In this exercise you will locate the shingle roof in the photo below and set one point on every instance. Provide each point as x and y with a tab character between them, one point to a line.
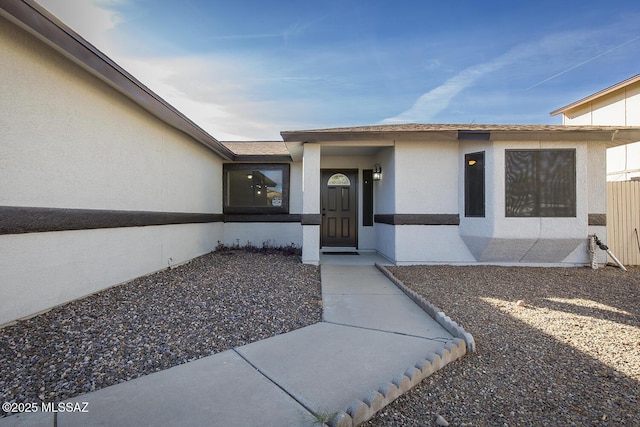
245	150
262	148
435	127
614	135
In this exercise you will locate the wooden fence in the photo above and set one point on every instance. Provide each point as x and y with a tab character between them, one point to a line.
623	221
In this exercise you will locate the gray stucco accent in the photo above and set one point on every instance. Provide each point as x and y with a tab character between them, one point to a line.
476	245
597	219
551	250
418	219
487	249
19	220
311	219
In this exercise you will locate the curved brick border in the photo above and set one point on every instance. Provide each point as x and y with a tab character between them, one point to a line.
445	321
359	411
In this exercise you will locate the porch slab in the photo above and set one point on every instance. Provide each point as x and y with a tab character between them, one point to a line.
364	297
363	258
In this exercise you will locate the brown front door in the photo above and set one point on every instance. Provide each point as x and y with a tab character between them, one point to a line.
339	208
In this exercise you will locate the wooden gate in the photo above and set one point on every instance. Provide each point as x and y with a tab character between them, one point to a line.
623	220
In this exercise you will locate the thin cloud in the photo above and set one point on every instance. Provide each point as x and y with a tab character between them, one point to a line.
530	56
91	19
294	30
438	99
248	36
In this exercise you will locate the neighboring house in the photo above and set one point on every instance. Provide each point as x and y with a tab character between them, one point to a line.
102	181
617	105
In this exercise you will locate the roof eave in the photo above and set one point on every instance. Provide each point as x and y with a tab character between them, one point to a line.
267	158
596	95
611	135
37	21
320	136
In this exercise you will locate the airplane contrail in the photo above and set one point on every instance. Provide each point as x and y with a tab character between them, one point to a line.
584	62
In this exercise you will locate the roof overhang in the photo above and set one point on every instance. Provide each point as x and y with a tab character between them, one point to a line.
599	94
611	135
37	21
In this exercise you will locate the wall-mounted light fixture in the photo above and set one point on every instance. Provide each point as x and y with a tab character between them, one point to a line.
377	172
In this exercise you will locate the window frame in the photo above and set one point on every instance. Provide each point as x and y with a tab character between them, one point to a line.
285	168
469	200
538	211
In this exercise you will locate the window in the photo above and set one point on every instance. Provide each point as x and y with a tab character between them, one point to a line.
339	179
540	183
256	188
474	184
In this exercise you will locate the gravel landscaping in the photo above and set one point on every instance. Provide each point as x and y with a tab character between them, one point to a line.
555	346
215	302
567	355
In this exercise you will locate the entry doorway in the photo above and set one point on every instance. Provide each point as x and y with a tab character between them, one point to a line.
339	204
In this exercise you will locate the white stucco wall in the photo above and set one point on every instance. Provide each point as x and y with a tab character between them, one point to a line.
42	270
501	239
439	168
273	234
311	202
384	202
70	141
426	177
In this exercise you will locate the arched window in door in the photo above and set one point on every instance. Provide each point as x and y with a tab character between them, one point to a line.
339	179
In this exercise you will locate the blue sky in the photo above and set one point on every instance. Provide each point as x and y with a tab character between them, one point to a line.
250	69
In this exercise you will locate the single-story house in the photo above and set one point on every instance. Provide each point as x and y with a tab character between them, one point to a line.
102	181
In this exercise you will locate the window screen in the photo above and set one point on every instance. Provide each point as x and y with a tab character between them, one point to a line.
540	183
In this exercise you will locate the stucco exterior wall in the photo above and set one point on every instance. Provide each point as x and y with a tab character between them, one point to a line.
494	238
274	234
560	241
311	203
426	177
70	141
384	202
384	197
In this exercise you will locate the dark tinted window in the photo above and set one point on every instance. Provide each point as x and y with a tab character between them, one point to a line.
256	188
474	184
540	183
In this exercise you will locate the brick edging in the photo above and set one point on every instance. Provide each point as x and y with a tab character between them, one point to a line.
359	411
445	321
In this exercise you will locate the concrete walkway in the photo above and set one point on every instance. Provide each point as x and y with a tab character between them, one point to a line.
374	344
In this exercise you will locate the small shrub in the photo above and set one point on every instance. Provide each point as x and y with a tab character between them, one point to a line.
267	248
